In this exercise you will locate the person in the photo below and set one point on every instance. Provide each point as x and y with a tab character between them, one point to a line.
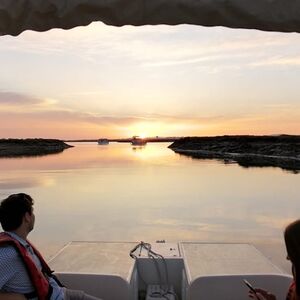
292	243
24	274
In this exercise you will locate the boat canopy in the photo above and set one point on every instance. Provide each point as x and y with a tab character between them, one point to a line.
17	16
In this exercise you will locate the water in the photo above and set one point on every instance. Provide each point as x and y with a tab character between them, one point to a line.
120	193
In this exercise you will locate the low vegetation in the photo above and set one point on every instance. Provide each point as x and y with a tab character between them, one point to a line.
258	151
30	147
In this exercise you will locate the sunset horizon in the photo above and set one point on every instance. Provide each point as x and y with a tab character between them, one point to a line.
102	81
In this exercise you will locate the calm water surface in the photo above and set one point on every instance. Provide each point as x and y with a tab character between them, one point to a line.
120	193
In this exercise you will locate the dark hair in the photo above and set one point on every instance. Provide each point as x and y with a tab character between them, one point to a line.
292	242
13	209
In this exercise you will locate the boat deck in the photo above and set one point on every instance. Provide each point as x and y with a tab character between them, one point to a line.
193	270
203	259
95	258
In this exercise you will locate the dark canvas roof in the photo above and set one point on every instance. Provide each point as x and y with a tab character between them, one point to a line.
40	15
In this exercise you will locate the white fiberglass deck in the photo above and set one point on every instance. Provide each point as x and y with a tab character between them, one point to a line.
195	271
95	258
203	259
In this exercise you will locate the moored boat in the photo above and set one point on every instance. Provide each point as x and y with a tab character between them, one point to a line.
137	141
103	142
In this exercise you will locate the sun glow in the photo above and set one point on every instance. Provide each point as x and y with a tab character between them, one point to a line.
162	128
143	135
144	129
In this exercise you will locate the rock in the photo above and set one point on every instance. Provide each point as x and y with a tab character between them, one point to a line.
30	147
258	151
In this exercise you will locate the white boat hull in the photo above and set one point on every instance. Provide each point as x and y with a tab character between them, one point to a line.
193	270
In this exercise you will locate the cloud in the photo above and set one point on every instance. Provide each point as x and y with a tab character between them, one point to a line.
51	111
273	222
190	119
168	222
87	117
179	61
18	183
26	115
12	98
50	115
278	61
13	101
47	117
148	45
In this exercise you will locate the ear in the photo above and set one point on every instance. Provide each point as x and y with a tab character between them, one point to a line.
27	217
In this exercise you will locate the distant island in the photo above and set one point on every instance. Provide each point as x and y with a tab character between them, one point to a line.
248	151
30	147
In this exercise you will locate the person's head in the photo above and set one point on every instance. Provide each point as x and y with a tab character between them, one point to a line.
292	242
15	211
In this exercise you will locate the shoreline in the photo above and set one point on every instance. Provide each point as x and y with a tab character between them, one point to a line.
247	151
10	148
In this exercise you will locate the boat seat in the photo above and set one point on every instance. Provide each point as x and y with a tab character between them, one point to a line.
106	287
232	287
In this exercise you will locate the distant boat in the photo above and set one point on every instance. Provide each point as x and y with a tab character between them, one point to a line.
103	142
137	141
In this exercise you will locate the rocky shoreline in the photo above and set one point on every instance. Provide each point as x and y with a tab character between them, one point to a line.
31	147
248	151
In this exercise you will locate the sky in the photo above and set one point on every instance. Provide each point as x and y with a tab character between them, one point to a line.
101	81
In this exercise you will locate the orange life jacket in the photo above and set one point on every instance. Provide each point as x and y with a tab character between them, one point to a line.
39	280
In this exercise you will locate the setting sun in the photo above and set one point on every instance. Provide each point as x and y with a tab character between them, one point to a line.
142	135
